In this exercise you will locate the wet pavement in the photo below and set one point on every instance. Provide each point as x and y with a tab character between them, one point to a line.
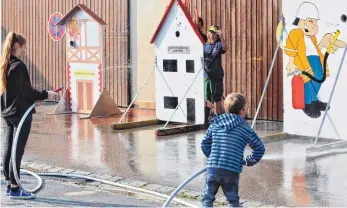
75	194
286	177
283	178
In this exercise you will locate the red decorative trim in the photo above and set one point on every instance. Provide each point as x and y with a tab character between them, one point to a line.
100	78
84	8
69	101
187	16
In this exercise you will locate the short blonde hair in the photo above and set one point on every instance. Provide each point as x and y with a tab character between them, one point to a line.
209	37
234	103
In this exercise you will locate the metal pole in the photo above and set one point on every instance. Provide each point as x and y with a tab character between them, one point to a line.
268	77
331	121
183	96
137	94
331	96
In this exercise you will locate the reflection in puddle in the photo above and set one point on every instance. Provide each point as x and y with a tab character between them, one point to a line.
284	177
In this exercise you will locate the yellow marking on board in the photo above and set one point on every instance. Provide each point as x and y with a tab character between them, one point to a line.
255	58
84	73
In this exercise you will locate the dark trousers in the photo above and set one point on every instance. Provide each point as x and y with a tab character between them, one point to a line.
230	187
10	126
213	90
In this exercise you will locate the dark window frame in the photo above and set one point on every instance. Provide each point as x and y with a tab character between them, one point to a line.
170	65
191	65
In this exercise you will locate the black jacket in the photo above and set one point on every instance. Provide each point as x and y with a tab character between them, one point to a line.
203	36
19	94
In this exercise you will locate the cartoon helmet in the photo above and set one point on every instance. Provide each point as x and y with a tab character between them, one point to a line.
307	10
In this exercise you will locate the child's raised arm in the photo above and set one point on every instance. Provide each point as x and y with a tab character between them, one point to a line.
258	150
206	143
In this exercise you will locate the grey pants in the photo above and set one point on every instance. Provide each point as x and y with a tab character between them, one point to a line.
10	126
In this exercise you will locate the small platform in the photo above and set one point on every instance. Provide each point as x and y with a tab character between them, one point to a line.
135	118
180	129
338	147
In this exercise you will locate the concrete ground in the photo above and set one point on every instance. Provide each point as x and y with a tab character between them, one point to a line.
73	193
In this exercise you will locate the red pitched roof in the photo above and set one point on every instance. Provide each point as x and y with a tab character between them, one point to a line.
84	8
187	16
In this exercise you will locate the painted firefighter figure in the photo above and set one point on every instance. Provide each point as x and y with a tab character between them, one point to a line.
307	60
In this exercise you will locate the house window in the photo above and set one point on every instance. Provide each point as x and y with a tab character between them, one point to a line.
170	102
169	65
190	66
191	110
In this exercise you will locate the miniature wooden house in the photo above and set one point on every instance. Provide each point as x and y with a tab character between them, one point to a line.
179	58
85	62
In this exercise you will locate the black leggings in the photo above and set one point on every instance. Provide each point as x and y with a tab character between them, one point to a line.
10	126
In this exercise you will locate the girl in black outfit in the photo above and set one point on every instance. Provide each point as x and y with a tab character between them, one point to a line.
17	95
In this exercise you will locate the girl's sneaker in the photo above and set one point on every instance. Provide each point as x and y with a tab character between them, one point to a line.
8	191
21	194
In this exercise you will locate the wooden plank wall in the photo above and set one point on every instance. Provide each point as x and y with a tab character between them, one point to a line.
249	27
46	58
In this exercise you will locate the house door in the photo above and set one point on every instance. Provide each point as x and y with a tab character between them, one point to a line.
85	95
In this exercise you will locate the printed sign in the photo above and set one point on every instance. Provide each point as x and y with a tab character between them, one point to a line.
178	50
311	32
84	73
56	32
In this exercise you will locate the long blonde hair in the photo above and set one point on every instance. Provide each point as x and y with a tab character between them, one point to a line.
8	48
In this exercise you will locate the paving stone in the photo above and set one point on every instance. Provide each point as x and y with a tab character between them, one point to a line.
95	183
67	171
24	163
55	170
40	166
153	187
101	176
220	198
83	173
267	206
166	190
126	181
251	204
107	187
138	184
45	168
33	165
192	194
115	179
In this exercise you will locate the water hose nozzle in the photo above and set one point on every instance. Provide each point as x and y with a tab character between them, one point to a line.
337	34
59	89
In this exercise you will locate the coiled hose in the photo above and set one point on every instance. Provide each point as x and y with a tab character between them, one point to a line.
40	186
